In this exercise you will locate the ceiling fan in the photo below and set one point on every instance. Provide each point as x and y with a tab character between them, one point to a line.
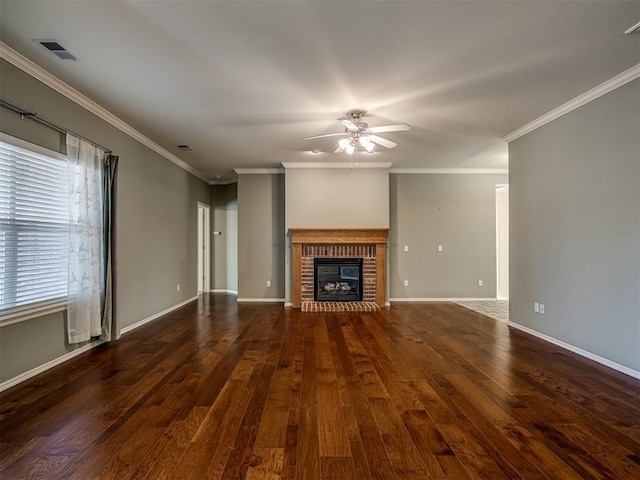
357	132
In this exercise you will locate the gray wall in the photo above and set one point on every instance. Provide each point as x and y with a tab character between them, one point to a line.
224	258
261	236
455	211
337	197
575	227
157	222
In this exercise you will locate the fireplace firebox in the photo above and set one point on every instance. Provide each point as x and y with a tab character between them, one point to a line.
337	279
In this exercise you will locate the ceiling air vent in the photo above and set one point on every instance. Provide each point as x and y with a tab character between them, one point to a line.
634	29
57	49
184	148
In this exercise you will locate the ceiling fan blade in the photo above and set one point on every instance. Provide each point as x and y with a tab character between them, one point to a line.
396	127
328	135
382	141
338	150
350	125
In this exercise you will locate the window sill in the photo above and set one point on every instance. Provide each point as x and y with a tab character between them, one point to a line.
24	315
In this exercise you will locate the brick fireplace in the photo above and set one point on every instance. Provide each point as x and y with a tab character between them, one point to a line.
369	244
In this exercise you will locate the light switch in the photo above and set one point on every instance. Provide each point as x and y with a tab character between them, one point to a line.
406	248
406	283
439	248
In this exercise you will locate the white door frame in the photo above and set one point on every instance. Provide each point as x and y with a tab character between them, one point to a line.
204	248
502	245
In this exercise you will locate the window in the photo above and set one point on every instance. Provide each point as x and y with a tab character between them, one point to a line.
34	226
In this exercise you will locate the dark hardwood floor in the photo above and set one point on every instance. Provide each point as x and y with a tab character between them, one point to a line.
257	391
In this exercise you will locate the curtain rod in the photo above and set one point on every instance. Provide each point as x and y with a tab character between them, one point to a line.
26	113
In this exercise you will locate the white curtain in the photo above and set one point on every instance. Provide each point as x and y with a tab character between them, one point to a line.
86	250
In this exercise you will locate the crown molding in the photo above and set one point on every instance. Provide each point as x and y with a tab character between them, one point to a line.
602	89
258	171
634	29
456	171
72	94
223	182
336	165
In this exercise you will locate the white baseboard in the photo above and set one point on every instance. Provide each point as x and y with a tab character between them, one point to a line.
68	356
579	351
222	290
448	299
260	300
157	315
46	366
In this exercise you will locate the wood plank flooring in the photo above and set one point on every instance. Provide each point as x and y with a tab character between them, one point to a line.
218	390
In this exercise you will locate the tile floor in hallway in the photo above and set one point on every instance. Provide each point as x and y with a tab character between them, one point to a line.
496	309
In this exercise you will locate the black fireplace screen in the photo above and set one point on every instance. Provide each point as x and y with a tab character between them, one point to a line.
337	279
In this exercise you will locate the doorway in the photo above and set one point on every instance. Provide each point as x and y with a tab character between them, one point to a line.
502	241
204	248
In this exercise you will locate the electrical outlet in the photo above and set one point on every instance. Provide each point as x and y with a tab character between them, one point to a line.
479	283
406	283
268	283
406	248
536	307
542	308
177	287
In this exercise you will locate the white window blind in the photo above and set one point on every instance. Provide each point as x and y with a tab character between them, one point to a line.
34	228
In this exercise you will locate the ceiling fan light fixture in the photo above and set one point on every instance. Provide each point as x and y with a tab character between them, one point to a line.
366	143
350	149
359	133
344	143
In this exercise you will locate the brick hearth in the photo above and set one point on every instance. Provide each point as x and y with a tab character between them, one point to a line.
340	307
368	244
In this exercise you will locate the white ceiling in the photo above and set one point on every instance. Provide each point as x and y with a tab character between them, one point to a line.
242	82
